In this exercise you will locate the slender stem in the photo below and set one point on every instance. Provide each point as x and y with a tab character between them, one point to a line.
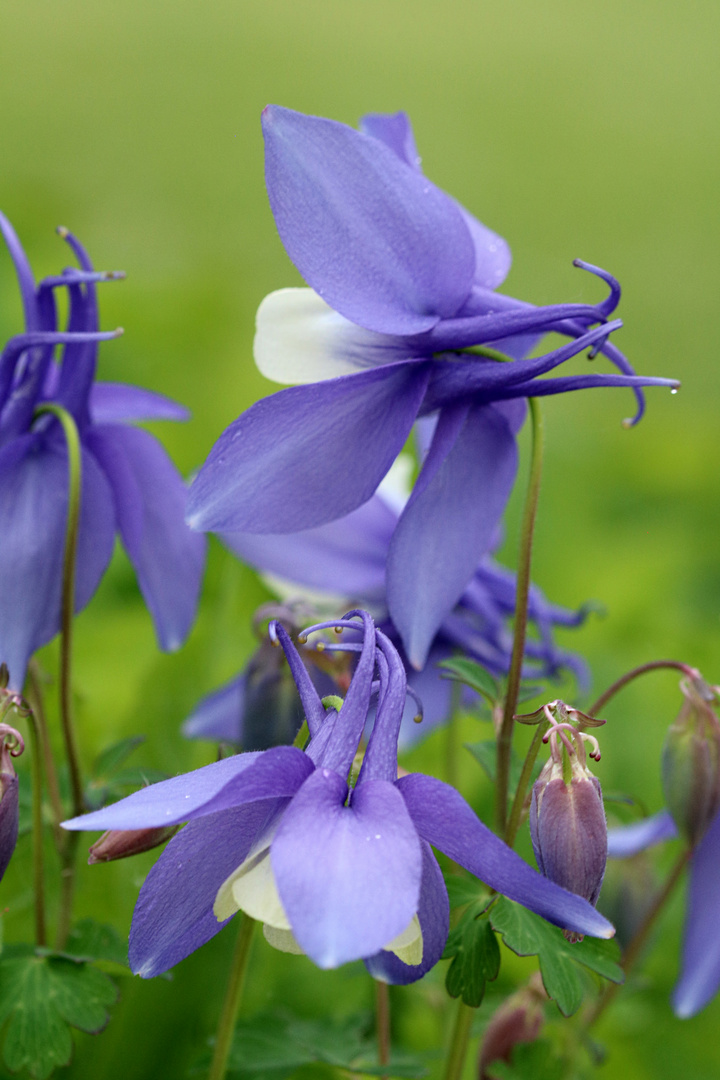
637	944
523	783
459	1044
231	1004
67	888
654	665
51	779
452	735
504	742
72	440
382	1013
37	825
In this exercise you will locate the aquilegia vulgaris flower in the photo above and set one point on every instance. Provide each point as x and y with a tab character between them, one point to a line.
402	290
345	560
700	973
129	484
335	872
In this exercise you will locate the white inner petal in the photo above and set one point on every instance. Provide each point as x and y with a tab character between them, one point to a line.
408	946
300	339
283	940
252	889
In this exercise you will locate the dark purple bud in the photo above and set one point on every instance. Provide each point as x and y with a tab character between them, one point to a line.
568	827
691	761
11	745
121	843
518	1020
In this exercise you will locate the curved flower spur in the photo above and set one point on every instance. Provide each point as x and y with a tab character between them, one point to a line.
340	873
395	326
129	483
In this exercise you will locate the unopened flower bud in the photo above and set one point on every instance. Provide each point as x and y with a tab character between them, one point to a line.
11	745
691	762
568	827
518	1020
120	843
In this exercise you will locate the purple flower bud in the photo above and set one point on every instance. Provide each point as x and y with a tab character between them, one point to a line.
691	762
518	1020
121	843
11	745
568	827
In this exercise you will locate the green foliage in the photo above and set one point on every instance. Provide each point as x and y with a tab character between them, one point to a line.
471	674
485	753
471	944
42	997
272	1045
528	934
107	783
90	940
530	1061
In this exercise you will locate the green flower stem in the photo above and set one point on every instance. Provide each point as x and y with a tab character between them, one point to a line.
654	665
233	995
519	801
37	827
505	734
382	1015
452	735
35	697
459	1042
72	440
637	943
69	848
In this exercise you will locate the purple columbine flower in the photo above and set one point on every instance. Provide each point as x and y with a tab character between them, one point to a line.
402	284
129	484
345	560
700	970
335	872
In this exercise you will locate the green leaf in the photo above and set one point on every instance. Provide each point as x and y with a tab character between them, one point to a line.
41	997
271	1046
475	954
466	890
485	753
90	940
460	669
528	934
114	756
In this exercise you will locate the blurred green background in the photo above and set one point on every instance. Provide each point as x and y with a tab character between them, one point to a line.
572	127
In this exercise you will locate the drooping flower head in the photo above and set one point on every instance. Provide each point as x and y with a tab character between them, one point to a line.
344	562
338	872
690	780
260	707
402	284
129	485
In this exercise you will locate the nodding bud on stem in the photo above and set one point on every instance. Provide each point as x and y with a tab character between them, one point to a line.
567	816
691	761
518	1020
121	843
11	745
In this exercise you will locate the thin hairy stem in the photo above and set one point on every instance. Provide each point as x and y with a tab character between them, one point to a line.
523	783
637	944
382	1016
654	665
72	440
69	848
233	996
504	740
452	735
37	827
35	697
459	1042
